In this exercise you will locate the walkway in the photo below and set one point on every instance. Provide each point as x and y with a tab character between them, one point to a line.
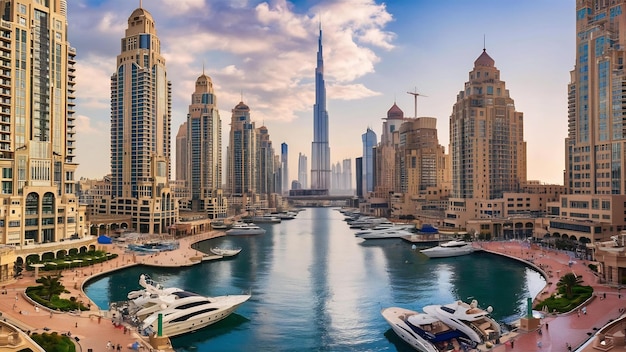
559	330
91	329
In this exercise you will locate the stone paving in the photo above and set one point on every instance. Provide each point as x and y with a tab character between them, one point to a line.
92	329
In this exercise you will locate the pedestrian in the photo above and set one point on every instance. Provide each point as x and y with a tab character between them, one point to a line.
604	295
546	326
109	345
512	343
578	312
76	324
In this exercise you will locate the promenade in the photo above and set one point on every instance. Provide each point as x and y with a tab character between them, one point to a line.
560	330
92	329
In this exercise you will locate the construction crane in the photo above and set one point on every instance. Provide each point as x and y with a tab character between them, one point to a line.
415	94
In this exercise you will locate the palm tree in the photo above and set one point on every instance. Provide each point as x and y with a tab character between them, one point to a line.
567	283
51	286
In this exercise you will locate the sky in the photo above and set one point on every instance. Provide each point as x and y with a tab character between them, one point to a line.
374	53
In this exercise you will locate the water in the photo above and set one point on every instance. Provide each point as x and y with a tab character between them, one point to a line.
315	287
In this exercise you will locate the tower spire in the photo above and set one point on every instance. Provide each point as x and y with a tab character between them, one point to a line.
141	4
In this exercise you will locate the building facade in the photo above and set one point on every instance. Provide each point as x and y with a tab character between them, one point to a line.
204	151
181	153
486	136
266	182
140	130
37	135
370	141
320	151
303	167
284	166
242	154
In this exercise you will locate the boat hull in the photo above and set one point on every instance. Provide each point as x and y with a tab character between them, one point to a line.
393	317
447	253
241	232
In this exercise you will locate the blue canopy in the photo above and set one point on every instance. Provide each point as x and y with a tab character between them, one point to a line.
104	239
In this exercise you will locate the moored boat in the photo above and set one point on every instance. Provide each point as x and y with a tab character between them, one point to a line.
449	249
475	322
243	228
424	332
225	252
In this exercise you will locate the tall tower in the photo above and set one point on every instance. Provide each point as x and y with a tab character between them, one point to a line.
140	129
265	152
284	165
302	170
486	136
595	148
38	201
181	153
204	131
369	142
242	154
320	153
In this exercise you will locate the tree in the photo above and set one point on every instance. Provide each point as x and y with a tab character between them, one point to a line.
50	286
567	283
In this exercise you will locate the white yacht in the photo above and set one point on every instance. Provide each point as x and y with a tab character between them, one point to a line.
181	311
266	219
449	249
387	232
242	228
424	332
476	323
366	221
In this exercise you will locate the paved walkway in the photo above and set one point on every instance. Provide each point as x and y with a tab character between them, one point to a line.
91	329
559	330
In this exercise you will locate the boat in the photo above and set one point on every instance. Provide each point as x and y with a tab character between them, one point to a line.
225	252
391	232
181	311
449	249
153	246
243	228
266	219
219	225
424	332
473	321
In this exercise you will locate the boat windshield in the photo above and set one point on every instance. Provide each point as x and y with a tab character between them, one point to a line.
183	294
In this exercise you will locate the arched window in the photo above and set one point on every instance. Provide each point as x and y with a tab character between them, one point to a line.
32	204
47	206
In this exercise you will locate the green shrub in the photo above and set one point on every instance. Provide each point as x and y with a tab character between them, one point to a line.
54	342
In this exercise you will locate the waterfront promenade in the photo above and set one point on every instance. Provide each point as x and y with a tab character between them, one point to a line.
94	328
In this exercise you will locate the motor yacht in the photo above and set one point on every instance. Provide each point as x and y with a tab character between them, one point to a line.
475	322
449	249
243	228
425	332
387	232
225	252
181	311
266	219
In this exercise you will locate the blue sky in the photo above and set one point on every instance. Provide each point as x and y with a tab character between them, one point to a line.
374	53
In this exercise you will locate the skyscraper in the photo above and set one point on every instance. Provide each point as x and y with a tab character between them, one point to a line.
241	153
486	136
302	170
265	151
181	153
284	166
140	129
320	153
369	142
38	202
595	147
204	140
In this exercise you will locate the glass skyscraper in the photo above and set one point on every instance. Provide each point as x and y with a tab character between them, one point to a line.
320	153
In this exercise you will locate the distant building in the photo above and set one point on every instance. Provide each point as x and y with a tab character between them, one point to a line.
241	154
302	170
266	183
181	153
284	164
320	150
369	143
486	136
204	151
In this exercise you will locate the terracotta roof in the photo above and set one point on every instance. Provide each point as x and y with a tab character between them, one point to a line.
395	112
484	60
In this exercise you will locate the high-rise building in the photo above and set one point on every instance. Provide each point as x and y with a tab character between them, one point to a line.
369	143
140	130
387	179
181	153
38	202
347	175
302	170
284	165
320	153
242	155
265	151
204	145
595	147
486	136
